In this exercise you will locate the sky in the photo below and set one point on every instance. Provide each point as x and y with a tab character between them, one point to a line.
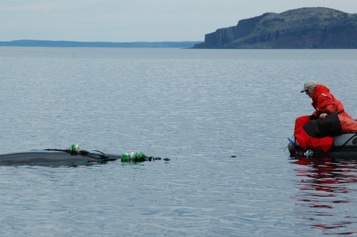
137	20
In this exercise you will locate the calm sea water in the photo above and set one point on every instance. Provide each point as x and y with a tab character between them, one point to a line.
197	107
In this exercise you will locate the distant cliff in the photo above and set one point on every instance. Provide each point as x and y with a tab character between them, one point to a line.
310	28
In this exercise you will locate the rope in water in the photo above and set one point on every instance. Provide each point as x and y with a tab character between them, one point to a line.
124	157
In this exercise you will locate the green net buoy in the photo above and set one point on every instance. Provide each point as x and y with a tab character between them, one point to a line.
74	148
124	157
132	156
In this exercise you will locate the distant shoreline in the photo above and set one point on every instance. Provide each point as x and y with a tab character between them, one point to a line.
50	43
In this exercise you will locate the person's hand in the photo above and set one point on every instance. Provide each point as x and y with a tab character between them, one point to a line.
323	115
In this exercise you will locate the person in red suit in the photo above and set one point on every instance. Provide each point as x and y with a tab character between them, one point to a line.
315	132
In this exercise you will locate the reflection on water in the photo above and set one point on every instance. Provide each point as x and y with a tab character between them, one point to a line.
323	197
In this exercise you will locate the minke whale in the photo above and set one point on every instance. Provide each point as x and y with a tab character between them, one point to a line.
72	157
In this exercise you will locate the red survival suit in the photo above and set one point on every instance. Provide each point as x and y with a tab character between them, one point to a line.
312	132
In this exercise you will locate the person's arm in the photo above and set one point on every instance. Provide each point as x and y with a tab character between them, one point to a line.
325	104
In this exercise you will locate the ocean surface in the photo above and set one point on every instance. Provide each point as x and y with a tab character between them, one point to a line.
221	116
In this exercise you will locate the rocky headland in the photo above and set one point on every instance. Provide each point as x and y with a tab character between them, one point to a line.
303	28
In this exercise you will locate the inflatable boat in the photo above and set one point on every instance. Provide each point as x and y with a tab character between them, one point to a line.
345	145
70	157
